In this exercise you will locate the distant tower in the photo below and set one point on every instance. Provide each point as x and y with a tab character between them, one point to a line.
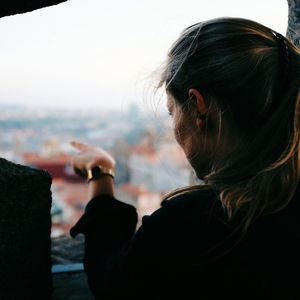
50	148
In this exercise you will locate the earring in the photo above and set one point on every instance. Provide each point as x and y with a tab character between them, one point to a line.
201	117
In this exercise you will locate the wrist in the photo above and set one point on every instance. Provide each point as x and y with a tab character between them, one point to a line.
100	186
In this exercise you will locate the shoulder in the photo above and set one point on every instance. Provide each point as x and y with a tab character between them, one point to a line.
187	209
200	204
188	199
187	226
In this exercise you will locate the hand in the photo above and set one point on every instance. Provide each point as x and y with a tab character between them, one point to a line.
90	156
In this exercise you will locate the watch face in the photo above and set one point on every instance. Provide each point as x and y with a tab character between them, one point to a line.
96	171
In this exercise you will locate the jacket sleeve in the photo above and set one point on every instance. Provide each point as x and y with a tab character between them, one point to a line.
117	259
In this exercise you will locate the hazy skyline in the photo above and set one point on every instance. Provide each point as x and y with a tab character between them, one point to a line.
96	53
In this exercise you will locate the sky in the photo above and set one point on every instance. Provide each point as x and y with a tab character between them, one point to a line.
95	53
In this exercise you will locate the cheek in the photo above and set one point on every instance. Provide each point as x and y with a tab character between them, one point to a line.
183	138
184	133
177	135
190	144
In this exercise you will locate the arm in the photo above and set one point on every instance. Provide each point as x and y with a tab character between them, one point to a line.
108	225
111	245
118	261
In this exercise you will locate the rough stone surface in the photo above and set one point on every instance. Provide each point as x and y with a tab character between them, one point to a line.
25	226
67	250
293	30
13	7
69	286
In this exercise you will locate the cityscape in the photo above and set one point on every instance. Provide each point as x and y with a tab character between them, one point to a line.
149	161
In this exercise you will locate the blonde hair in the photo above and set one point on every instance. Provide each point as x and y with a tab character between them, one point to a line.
252	74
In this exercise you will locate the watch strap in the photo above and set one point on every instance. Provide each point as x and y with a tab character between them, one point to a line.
99	171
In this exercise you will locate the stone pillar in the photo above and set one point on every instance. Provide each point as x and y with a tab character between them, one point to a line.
25	227
293	30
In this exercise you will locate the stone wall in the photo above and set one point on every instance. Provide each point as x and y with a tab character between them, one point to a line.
68	251
25	227
293	30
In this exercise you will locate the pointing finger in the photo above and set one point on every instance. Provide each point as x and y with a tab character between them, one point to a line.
78	145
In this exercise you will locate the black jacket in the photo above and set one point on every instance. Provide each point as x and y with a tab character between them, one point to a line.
187	250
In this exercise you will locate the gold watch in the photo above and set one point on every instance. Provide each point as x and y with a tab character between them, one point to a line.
99	171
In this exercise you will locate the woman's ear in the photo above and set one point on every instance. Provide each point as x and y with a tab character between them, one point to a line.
201	108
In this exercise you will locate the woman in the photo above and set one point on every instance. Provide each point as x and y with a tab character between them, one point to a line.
233	89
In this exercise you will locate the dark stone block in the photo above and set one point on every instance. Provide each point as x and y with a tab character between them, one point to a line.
71	286
25	228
